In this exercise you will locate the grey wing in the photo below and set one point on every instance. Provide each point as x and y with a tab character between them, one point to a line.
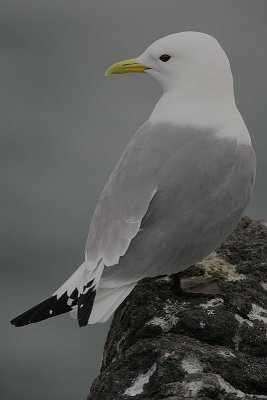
123	202
128	193
168	181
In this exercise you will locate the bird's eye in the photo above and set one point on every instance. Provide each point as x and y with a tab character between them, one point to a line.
164	57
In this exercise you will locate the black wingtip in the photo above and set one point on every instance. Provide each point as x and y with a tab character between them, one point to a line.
55	306
85	305
26	318
46	309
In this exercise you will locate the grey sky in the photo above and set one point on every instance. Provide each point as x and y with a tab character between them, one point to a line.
63	126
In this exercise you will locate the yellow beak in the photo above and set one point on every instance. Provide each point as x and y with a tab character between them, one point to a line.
123	67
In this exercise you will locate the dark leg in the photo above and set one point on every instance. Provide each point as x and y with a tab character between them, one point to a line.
195	287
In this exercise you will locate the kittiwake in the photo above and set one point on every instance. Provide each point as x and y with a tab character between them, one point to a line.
179	189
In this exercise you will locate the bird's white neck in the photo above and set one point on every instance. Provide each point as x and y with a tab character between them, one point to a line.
185	108
189	109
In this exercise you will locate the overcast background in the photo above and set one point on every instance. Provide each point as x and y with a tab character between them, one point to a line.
63	126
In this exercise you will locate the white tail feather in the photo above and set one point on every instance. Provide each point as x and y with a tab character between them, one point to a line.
74	281
106	299
106	302
80	278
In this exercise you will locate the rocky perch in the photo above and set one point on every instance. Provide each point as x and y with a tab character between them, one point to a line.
165	346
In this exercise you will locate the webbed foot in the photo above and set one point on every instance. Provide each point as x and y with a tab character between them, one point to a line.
190	287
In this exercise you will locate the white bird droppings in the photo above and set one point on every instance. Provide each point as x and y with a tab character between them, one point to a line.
166	323
194	388
169	319
140	381
242	320
191	365
258	313
226	353
211	304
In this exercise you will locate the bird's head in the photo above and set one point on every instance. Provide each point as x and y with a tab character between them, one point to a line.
181	61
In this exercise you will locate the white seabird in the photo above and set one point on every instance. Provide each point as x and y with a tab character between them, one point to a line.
178	190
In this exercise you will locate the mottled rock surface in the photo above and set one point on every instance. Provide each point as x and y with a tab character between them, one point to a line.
165	346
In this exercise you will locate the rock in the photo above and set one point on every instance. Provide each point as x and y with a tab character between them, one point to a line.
165	346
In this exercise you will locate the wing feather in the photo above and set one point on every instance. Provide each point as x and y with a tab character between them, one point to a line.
123	202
